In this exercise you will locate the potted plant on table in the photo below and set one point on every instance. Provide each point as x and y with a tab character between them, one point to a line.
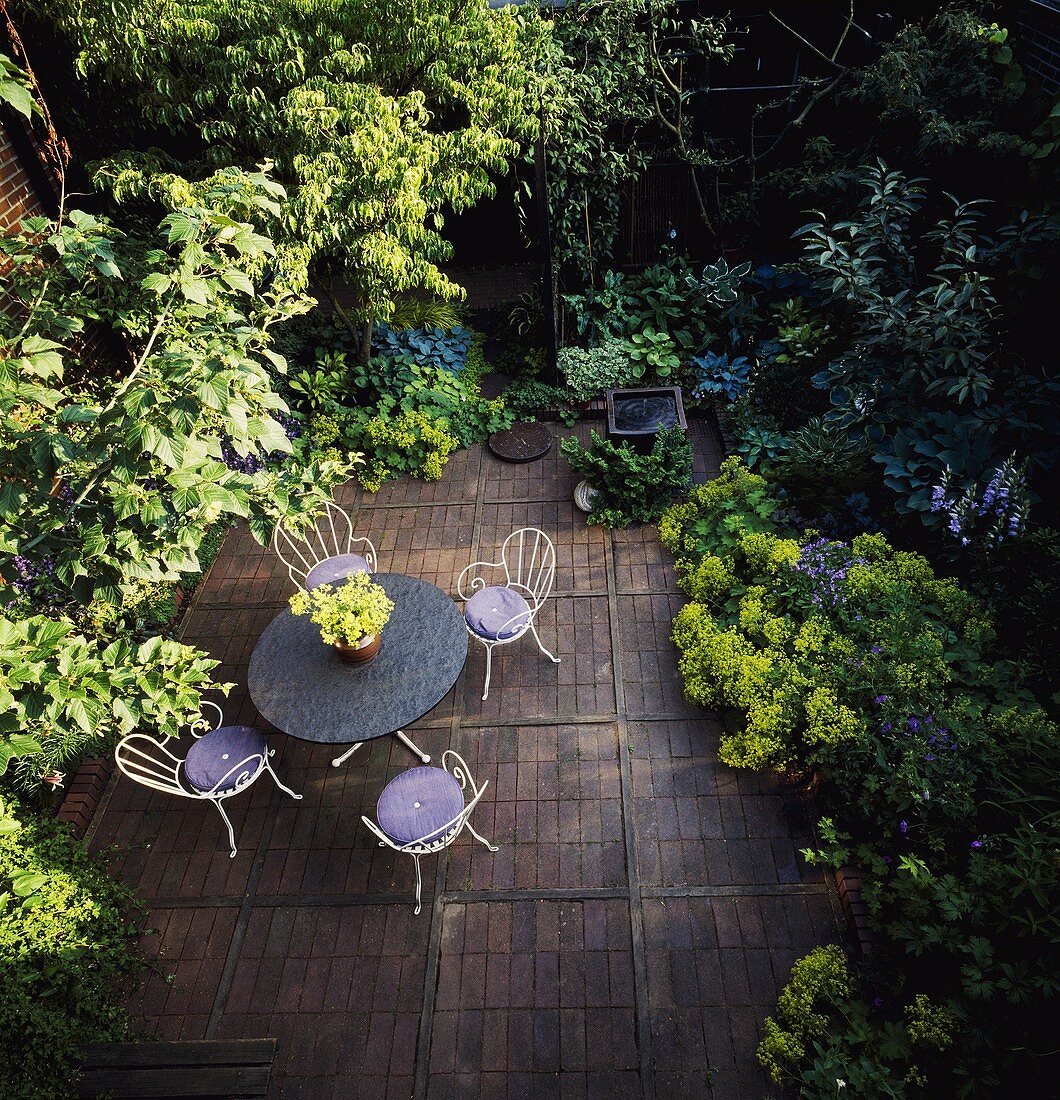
350	615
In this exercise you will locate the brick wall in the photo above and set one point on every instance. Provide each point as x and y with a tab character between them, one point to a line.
18	198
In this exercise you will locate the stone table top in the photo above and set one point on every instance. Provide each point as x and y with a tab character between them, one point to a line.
302	687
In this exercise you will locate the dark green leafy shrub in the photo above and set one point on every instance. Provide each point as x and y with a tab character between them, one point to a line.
632	487
527	397
926	374
66	948
670	297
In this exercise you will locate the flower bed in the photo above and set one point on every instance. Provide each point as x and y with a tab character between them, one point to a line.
855	660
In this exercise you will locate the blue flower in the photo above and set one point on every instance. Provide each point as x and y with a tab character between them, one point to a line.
976	844
880	700
903	826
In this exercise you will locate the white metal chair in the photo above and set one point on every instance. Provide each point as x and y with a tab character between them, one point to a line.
222	762
422	811
499	614
324	553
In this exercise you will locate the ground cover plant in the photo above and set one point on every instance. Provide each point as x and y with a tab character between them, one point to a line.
856	662
68	934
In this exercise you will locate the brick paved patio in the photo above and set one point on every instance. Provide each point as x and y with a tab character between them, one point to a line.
627	939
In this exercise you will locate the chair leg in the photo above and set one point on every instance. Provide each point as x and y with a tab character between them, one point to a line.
533	630
407	742
480	839
276	779
489	669
419	885
231	832
346	755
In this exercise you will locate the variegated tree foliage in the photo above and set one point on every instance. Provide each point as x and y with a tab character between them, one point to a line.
379	117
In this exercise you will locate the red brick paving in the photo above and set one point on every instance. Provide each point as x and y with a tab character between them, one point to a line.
554	967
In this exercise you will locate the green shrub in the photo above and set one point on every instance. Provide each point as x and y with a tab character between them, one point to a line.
408	443
817	982
856	661
632	487
827	1042
66	946
591	371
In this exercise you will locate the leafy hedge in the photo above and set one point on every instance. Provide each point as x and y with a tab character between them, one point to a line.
65	947
937	768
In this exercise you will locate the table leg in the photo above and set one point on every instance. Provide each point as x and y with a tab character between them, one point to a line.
400	735
346	755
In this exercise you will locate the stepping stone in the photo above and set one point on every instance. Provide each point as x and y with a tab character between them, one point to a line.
521	442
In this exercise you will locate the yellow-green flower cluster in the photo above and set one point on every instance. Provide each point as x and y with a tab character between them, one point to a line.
411	442
768	554
817	982
355	609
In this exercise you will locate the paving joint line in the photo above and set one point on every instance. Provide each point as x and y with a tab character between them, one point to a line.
636	911
239	930
471	897
425	1034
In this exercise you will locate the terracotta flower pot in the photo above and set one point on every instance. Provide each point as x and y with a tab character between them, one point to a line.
358	653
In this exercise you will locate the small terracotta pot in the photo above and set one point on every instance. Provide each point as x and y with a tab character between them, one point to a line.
358	653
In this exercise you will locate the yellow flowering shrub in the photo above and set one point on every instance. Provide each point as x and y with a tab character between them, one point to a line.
408	443
710	581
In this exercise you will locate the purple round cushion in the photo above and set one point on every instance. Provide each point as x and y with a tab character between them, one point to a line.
418	804
335	569
212	758
497	613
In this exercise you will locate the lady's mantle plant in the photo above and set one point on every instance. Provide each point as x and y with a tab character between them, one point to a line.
358	608
938	770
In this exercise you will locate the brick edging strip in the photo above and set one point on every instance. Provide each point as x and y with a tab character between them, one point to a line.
85	793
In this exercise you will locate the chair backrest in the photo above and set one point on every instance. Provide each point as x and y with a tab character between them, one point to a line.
150	763
331	535
529	562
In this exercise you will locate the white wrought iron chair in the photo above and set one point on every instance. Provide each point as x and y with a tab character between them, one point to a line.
498	614
422	811
324	553
222	762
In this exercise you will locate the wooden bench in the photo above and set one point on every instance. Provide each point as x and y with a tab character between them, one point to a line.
217	1069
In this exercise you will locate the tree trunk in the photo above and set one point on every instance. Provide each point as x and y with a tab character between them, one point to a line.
364	352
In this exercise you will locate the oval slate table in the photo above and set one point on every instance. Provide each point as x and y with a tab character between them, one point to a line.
300	685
